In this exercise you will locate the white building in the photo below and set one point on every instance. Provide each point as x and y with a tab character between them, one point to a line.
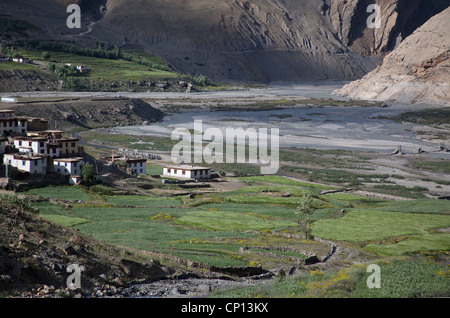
138	165
12	124
187	172
75	179
68	166
9	100
21	60
34	163
33	144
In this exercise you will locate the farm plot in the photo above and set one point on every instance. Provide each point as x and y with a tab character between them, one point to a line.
212	228
388	233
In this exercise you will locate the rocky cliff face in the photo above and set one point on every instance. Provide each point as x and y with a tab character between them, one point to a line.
416	72
398	20
266	40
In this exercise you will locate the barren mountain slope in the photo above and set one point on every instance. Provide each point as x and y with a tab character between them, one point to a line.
416	72
261	40
252	40
258	40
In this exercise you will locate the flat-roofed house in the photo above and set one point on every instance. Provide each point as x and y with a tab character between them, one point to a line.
36	144
49	134
69	147
53	149
10	125
36	124
187	172
68	166
31	163
138	165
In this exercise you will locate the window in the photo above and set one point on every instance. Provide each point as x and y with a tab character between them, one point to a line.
23	162
141	164
73	144
75	164
35	163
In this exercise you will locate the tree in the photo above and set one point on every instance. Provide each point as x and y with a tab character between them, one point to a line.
45	55
87	173
201	80
305	209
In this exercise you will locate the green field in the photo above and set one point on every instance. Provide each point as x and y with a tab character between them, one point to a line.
399	279
108	69
62	193
212	228
9	66
102	68
231	221
359	225
142	201
386	227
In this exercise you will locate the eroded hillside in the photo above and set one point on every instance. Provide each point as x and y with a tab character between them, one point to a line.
260	40
416	72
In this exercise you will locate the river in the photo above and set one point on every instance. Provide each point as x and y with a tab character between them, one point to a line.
354	128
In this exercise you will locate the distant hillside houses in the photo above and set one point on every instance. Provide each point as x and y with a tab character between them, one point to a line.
4	58
22	60
80	68
27	146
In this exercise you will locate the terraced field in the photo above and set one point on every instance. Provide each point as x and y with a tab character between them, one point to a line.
252	225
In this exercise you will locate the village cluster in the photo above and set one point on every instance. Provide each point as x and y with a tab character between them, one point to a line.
29	148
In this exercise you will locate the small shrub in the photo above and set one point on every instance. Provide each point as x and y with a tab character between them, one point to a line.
18	201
